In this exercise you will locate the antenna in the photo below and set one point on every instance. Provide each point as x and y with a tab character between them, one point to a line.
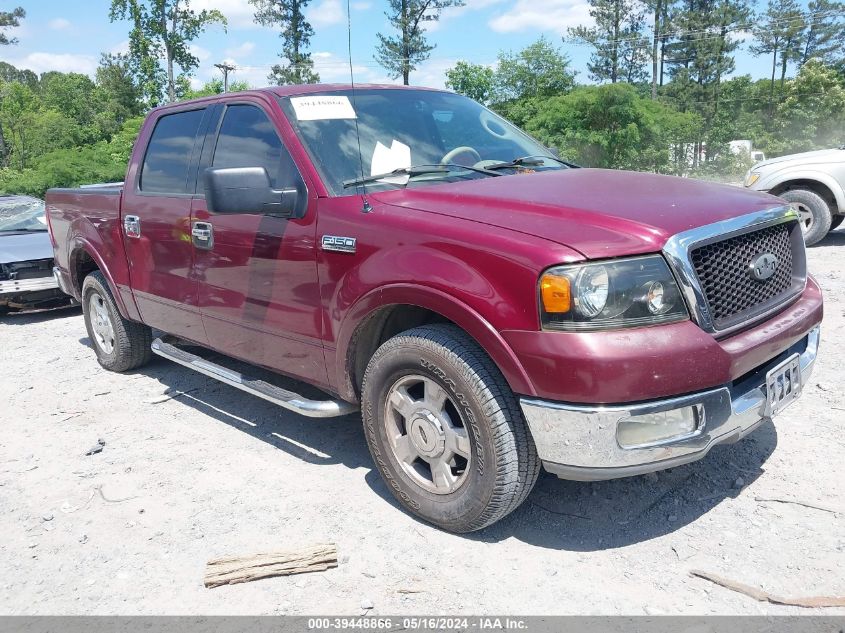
366	208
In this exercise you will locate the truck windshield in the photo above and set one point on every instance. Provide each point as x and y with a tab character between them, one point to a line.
21	214
402	128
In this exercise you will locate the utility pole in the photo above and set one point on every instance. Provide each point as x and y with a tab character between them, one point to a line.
226	68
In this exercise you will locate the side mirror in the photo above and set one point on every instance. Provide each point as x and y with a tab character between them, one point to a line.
246	190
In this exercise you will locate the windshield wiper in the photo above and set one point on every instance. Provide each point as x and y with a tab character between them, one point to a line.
528	161
417	170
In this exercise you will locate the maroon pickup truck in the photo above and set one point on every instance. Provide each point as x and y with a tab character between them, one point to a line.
489	307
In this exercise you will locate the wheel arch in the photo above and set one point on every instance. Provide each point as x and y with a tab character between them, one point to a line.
82	262
822	184
385	312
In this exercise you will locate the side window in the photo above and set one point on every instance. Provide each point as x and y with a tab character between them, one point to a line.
247	138
168	156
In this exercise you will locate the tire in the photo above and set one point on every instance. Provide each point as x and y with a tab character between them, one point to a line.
837	220
120	344
494	462
816	217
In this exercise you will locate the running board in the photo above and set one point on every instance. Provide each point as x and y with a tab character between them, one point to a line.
276	395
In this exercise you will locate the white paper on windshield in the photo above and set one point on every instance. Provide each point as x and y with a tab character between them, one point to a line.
322	107
386	159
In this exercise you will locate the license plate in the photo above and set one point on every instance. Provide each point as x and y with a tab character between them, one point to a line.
783	385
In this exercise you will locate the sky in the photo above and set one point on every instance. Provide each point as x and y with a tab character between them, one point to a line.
69	36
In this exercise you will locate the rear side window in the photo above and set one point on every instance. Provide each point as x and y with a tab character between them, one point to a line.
247	138
168	156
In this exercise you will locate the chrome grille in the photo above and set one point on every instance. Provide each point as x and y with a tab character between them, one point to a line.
723	272
713	265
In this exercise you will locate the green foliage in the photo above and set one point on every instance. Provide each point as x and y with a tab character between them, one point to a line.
620	48
296	34
10	20
71	167
539	70
400	54
473	80
613	126
162	29
215	87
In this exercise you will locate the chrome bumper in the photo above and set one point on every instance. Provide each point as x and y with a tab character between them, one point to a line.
579	442
17	286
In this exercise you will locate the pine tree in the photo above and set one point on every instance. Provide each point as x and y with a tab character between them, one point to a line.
777	33
825	34
296	34
401	54
621	48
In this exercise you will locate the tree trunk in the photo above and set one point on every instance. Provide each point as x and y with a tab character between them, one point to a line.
772	84
4	156
654	46
614	49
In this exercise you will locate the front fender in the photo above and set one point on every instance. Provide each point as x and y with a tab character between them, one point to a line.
771	181
446	306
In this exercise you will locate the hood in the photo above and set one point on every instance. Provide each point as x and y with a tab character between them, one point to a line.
822	156
22	247
598	212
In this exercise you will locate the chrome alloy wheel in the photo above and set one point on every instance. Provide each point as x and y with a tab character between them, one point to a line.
101	323
805	216
426	434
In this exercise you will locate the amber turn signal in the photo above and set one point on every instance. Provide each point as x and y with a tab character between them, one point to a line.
556	294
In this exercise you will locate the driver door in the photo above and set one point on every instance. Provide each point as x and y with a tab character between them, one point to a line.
257	273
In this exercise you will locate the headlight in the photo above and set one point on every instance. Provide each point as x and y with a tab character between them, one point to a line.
609	295
751	177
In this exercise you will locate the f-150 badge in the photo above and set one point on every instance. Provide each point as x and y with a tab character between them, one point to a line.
339	243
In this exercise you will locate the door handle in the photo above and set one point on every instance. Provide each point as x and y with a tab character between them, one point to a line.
132	226
202	235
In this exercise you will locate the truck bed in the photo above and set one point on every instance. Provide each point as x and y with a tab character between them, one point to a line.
85	228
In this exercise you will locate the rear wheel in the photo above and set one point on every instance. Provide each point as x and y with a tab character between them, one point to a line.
445	430
814	213
120	344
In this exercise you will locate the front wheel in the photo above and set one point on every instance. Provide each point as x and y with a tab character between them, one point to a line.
813	212
445	430
120	344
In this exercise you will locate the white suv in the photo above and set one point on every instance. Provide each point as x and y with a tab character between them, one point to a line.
812	182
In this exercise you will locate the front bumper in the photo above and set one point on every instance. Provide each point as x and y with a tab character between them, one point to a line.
20	286
579	442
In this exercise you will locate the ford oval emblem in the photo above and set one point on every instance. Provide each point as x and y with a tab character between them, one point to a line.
763	266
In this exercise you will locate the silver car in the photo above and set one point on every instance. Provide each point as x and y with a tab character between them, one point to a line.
812	182
26	257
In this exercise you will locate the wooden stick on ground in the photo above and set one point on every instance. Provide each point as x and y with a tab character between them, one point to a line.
809	602
229	571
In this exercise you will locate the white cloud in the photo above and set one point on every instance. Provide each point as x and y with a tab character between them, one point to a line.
199	52
551	15
326	13
59	24
239	13
361	6
63	62
244	49
121	48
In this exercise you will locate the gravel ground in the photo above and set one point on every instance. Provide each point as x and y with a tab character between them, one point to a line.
214	472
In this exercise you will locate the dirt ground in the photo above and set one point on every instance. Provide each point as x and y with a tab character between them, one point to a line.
215	472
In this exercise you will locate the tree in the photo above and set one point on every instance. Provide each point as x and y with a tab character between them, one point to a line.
538	70
296	34
777	34
215	87
811	114
472	80
660	24
9	20
401	54
825	35
162	28
613	126
117	95
620	49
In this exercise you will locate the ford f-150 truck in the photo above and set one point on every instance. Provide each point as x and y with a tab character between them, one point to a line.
489	307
